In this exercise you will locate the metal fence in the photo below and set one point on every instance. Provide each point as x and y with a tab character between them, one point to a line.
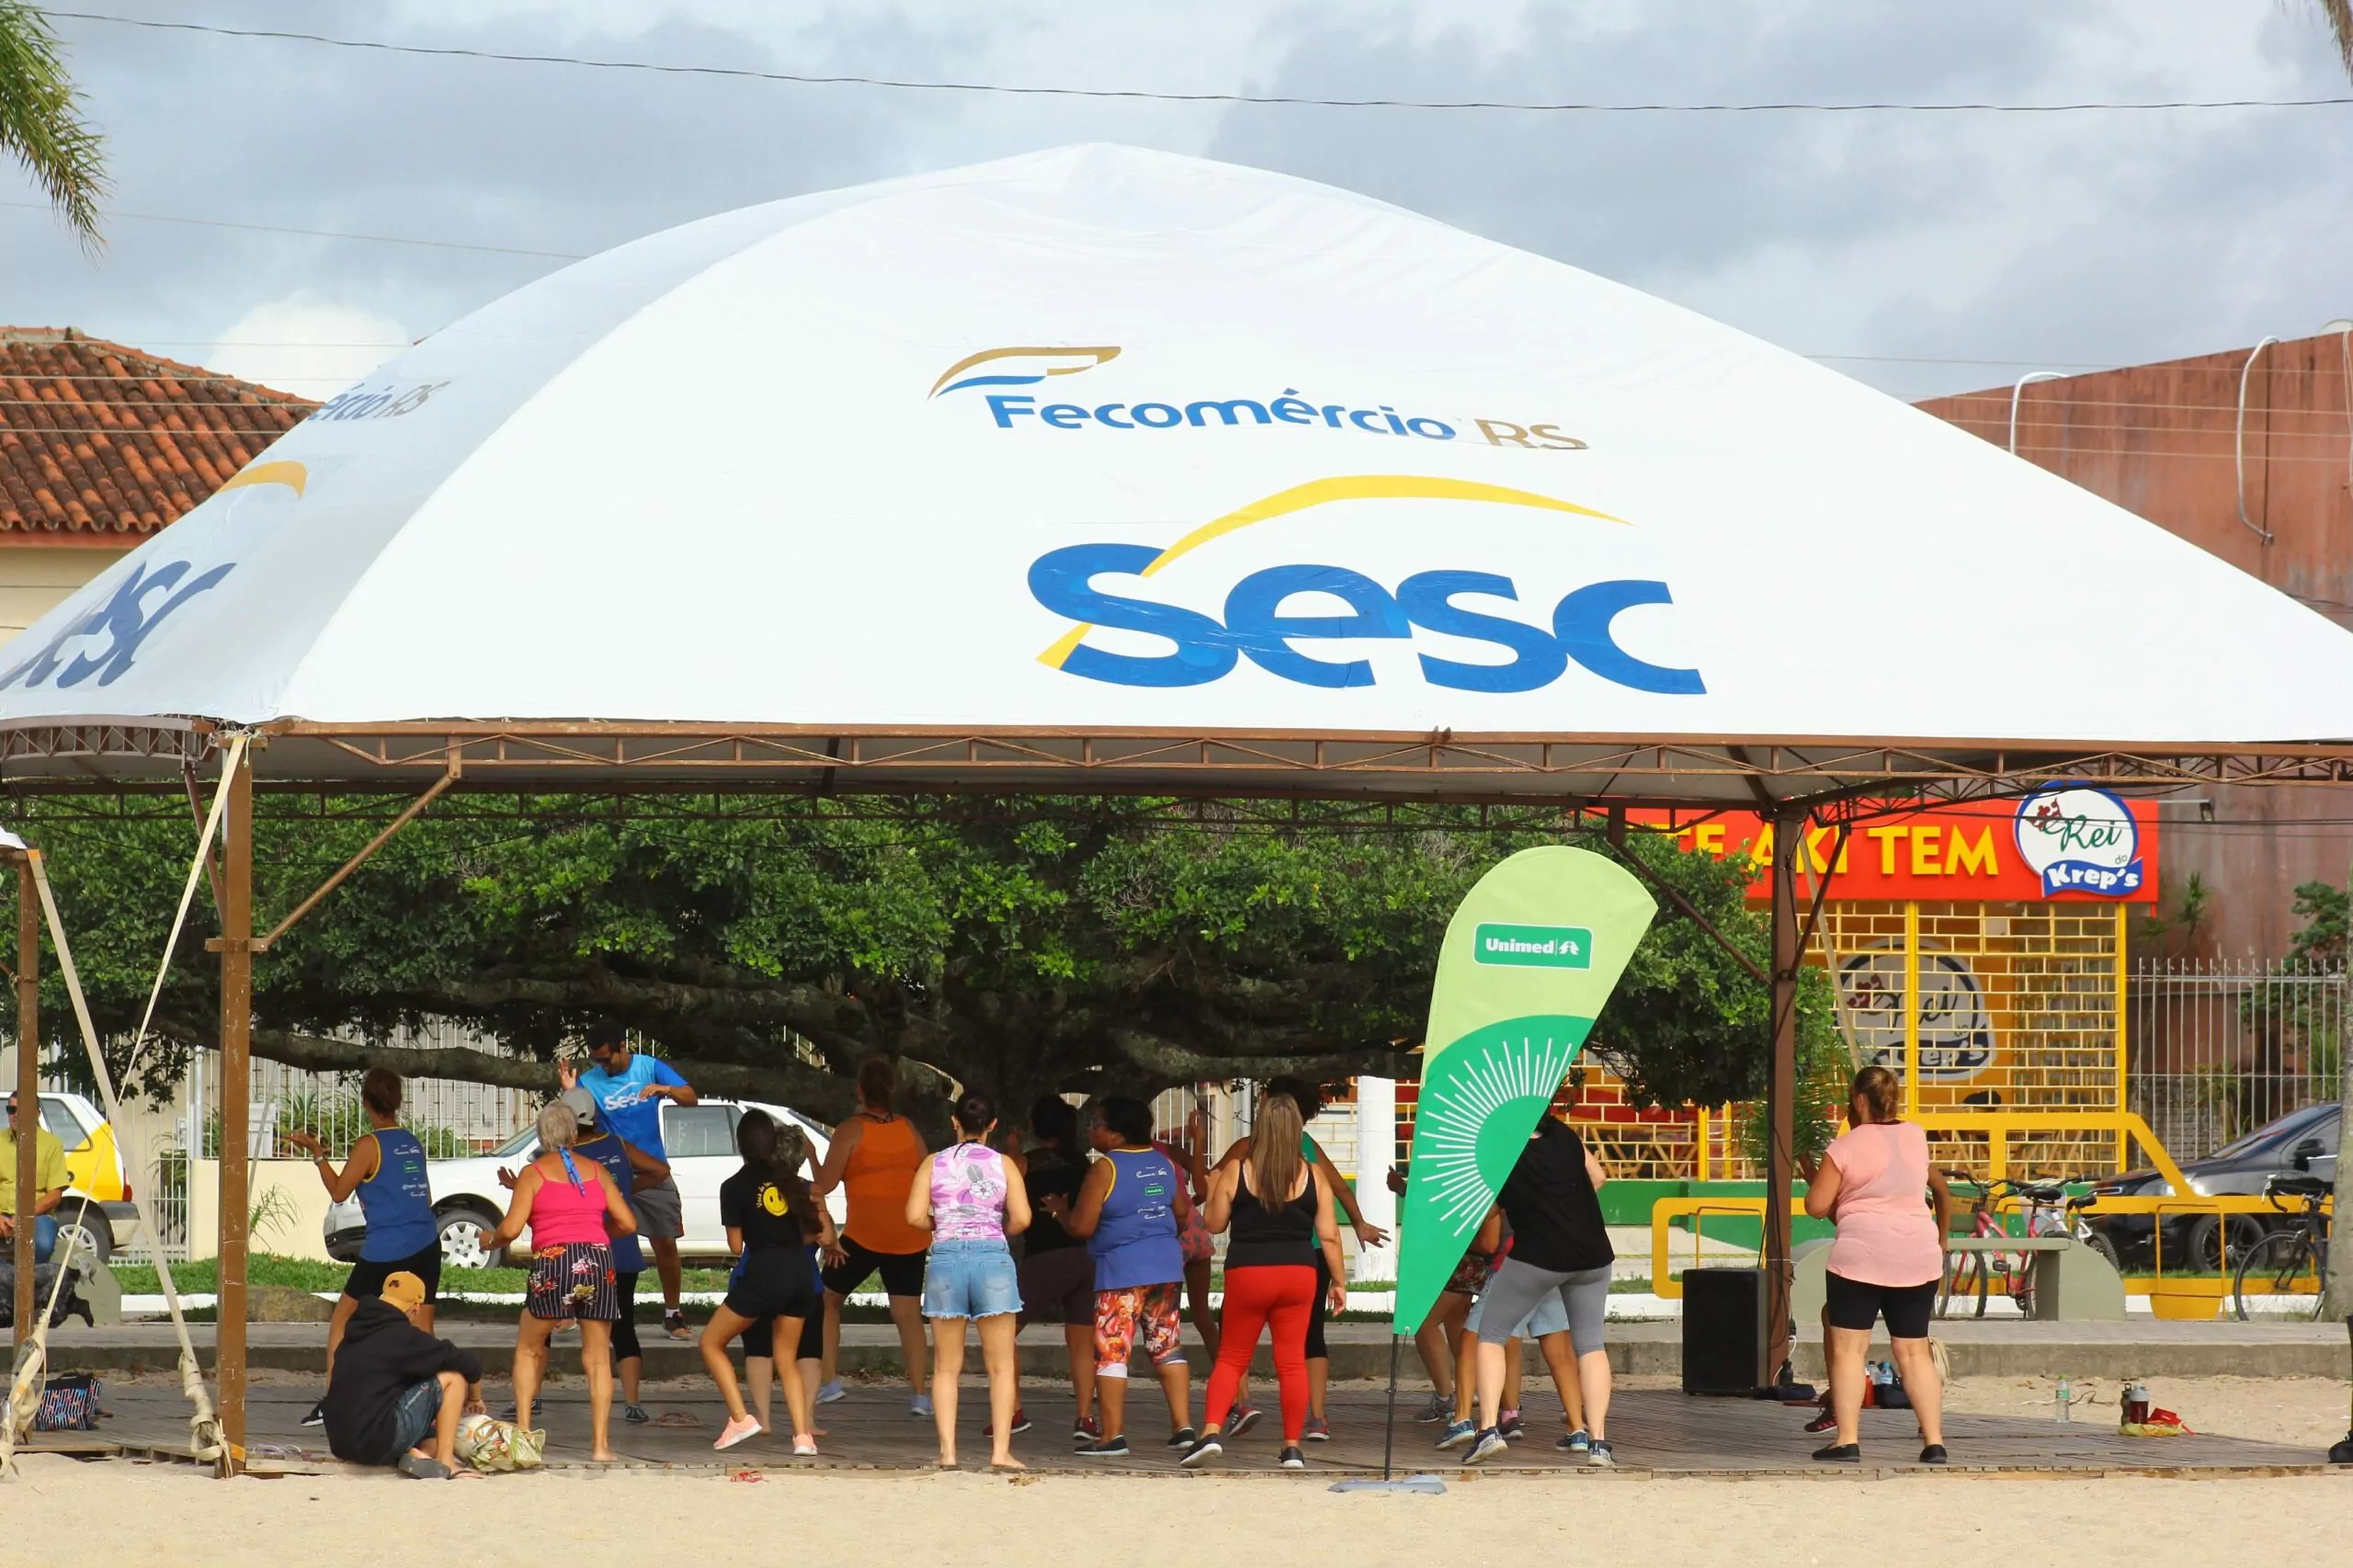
451	1118
2220	1048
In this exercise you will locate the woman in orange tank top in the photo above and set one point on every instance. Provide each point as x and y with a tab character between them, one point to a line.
875	1158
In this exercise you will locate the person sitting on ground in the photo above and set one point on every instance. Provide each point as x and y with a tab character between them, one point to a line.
395	1386
630	1087
873	1158
1303	1095
1885	1260
770	1217
574	1212
1132	1208
1281	1216
50	1181
386	1170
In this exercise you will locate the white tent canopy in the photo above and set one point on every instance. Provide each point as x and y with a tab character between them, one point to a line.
1107	468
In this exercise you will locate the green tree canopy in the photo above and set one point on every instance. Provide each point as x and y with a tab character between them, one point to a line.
1032	947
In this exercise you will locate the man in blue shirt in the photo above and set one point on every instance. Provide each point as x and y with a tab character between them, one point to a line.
629	1087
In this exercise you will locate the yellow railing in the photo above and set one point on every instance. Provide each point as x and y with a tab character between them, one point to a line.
1666	1210
1998	1126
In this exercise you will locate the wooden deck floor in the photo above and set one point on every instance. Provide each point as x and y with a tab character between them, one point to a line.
1657	1432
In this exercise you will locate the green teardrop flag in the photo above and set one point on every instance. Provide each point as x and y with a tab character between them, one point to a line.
1528	959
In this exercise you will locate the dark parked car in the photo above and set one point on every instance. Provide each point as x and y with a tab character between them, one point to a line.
2302	1142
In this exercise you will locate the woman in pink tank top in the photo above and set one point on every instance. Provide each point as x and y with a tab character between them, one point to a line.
1886	1260
970	1197
572	1209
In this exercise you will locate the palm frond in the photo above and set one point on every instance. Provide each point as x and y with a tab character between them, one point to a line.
2340	23
41	123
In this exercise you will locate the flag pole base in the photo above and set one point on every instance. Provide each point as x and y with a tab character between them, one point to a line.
1429	1485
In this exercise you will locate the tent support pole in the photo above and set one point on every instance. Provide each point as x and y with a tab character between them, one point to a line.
236	1093
1789	951
415	809
27	1087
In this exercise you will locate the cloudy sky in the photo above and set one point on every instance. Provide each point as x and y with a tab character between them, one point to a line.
1927	253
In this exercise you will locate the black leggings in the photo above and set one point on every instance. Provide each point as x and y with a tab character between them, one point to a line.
1316	1349
625	1345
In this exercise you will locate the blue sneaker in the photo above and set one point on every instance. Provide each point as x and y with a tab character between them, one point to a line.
1456	1434
1577	1442
831	1393
1490	1443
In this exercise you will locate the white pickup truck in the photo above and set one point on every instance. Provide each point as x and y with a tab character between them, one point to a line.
700	1141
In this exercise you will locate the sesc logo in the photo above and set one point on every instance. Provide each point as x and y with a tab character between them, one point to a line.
2081	840
1205	648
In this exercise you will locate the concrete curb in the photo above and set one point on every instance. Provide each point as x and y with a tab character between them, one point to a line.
1643	1357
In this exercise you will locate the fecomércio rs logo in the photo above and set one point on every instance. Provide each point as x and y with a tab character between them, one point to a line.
1283	408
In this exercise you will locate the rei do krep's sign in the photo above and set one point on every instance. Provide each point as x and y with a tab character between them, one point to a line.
1528	959
2067	842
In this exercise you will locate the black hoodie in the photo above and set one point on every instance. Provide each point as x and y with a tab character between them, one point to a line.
382	1353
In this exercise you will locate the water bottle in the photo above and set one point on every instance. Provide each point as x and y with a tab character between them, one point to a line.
2064	1401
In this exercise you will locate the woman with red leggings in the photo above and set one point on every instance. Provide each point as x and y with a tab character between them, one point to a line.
1280	1216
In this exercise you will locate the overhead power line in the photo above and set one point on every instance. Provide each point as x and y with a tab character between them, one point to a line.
312	233
1010	89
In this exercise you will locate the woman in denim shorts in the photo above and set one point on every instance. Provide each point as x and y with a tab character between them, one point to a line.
970	1199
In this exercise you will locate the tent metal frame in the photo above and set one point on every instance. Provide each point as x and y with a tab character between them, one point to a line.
1440	765
1837	782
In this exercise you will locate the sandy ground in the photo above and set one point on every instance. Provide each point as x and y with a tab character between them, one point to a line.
141	1513
154	1514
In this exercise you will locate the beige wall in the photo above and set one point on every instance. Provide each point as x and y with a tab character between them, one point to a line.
302	1235
34	579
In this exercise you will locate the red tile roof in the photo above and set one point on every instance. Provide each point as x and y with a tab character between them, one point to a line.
100	443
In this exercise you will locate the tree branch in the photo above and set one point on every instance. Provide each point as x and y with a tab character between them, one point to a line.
1174	1064
813	1093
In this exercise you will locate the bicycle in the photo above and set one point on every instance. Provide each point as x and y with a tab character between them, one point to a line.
2048	1209
2288	1262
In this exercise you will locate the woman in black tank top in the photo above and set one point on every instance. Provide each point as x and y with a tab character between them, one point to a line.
1056	1273
1281	1217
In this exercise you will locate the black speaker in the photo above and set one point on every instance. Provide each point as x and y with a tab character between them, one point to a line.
1723	1330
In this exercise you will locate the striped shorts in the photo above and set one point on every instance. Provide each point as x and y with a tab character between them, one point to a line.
575	1280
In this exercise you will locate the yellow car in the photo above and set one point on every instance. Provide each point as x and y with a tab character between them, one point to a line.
98	1198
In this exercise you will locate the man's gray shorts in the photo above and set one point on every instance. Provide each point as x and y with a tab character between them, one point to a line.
658	1211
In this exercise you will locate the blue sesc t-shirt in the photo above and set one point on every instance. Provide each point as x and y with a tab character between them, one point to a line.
620	1109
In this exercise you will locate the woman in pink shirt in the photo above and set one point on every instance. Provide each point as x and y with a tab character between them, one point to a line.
1888	1256
573	1209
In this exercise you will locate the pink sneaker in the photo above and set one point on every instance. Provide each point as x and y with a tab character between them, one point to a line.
736	1432
805	1447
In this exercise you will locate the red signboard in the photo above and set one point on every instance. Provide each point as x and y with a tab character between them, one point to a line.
2067	844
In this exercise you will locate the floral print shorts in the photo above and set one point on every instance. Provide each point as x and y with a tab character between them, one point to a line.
575	1280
